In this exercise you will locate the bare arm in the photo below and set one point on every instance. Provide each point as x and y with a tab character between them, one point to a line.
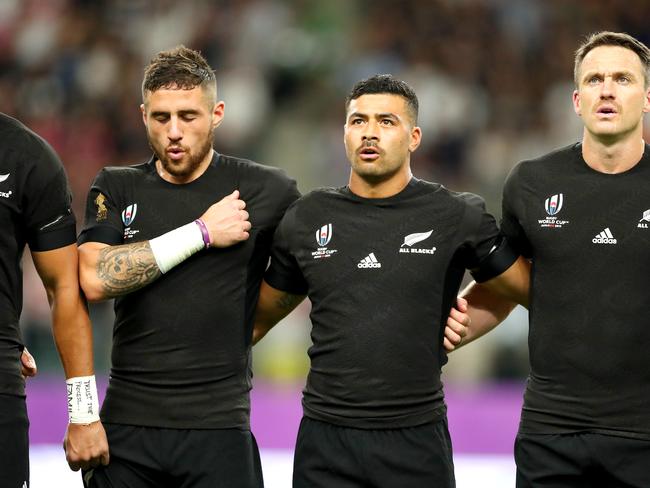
272	306
112	271
85	445
488	304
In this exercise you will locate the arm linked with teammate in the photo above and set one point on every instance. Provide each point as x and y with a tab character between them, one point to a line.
109	271
488	304
85	444
272	306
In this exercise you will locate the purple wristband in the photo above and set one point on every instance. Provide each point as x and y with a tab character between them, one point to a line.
204	232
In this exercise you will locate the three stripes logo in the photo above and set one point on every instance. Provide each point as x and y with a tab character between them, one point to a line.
370	261
604	237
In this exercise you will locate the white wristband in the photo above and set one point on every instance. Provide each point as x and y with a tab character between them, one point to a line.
176	246
83	403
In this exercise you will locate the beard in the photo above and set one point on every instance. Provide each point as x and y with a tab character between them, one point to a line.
189	163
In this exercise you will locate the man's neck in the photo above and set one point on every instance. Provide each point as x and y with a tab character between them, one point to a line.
612	157
369	188
182	180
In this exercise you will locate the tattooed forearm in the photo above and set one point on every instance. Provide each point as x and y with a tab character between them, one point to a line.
272	307
126	268
288	301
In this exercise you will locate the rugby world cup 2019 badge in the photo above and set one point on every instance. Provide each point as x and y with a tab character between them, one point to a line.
553	205
128	216
323	238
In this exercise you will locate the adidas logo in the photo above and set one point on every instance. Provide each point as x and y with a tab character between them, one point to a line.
605	237
370	261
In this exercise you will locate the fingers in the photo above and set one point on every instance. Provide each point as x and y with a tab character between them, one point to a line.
461	304
86	446
462	319
448	345
453	337
456	327
28	364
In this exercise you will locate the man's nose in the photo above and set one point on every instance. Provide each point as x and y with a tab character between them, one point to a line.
174	133
608	88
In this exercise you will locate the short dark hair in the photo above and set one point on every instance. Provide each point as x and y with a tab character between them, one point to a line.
179	68
607	38
378	84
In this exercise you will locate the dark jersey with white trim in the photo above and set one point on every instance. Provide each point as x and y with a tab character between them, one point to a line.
588	235
182	344
35	209
382	275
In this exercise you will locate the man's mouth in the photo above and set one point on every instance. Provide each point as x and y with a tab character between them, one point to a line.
175	153
606	111
368	153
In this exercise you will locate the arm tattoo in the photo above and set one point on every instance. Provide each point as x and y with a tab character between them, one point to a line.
288	301
126	268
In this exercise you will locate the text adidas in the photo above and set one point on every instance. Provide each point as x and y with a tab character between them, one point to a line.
603	240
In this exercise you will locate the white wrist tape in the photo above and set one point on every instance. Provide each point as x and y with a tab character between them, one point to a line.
83	403
176	246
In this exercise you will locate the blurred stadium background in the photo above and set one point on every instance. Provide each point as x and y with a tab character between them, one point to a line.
494	78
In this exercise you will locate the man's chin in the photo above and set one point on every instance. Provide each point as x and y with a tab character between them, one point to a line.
177	169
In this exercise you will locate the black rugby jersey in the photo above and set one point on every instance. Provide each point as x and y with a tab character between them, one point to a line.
182	344
588	235
382	275
34	209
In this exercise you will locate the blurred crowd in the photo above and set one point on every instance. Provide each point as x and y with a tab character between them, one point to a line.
494	78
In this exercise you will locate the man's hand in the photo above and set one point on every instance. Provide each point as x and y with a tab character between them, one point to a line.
85	446
27	364
227	221
457	324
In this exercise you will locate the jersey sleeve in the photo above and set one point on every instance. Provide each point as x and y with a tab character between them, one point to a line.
49	220
284	273
486	253
102	221
512	209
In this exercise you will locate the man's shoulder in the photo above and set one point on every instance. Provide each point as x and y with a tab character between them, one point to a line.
249	169
318	196
13	129
440	194
120	172
26	146
551	161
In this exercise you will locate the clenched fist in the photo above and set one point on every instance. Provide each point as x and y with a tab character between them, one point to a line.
227	221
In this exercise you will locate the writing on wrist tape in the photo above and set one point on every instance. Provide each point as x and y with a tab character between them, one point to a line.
176	246
83	403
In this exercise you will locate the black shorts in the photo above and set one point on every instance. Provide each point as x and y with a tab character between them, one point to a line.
330	456
149	457
14	441
581	460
